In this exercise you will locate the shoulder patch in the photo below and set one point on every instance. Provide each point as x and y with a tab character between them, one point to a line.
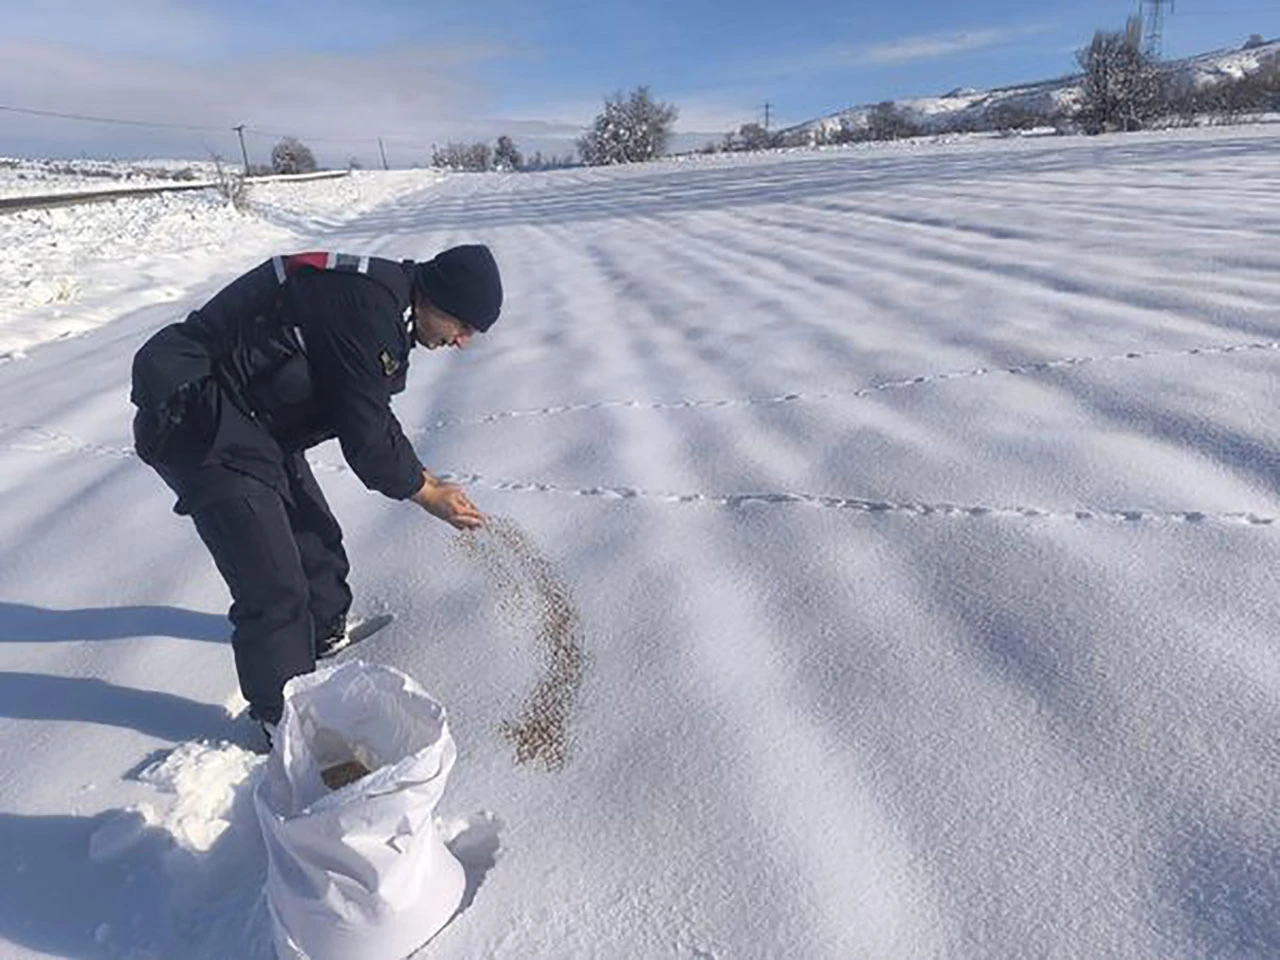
389	363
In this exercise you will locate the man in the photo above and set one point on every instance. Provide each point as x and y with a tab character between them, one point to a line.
299	350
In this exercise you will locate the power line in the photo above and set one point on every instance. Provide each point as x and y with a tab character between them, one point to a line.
242	129
116	120
258	132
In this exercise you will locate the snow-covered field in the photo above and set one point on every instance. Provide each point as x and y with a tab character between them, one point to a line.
919	506
20	176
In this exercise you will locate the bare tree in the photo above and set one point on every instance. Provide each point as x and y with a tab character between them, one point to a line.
291	155
230	183
629	131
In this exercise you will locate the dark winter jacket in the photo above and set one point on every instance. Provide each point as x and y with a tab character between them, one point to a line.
296	351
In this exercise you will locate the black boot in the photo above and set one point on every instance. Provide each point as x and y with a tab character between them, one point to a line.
332	637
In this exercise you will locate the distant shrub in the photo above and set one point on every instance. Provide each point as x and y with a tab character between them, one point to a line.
753	136
1249	95
553	162
81	170
1231	100
291	155
847	132
471	157
887	121
1015	116
962	121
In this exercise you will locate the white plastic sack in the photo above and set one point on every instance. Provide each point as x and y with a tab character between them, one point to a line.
357	873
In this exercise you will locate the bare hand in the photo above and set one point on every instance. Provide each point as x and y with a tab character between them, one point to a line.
449	503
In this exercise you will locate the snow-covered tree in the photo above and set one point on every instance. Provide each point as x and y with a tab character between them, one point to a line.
291	155
628	131
752	136
473	157
506	156
1122	89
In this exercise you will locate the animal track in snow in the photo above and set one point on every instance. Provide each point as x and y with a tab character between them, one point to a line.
60	443
911	508
57	442
793	397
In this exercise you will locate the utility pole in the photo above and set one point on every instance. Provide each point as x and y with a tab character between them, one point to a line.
1152	13
383	151
243	152
767	107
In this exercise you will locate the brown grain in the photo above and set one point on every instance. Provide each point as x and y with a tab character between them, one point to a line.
533	600
337	777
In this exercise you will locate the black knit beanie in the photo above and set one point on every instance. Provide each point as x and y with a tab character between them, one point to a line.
464	282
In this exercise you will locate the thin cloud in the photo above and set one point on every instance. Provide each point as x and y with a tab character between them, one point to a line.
139	26
937	46
181	63
340	101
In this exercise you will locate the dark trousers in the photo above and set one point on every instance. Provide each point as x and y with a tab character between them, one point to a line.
283	561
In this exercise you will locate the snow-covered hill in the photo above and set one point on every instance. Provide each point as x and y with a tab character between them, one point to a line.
968	108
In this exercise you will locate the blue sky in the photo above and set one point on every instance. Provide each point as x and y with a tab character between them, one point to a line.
425	72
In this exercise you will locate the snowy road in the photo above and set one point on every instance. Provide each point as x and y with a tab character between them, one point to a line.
922	506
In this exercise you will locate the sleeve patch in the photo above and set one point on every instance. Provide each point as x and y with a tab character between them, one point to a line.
389	363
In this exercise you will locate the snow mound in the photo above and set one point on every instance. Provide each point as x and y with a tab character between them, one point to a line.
205	782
